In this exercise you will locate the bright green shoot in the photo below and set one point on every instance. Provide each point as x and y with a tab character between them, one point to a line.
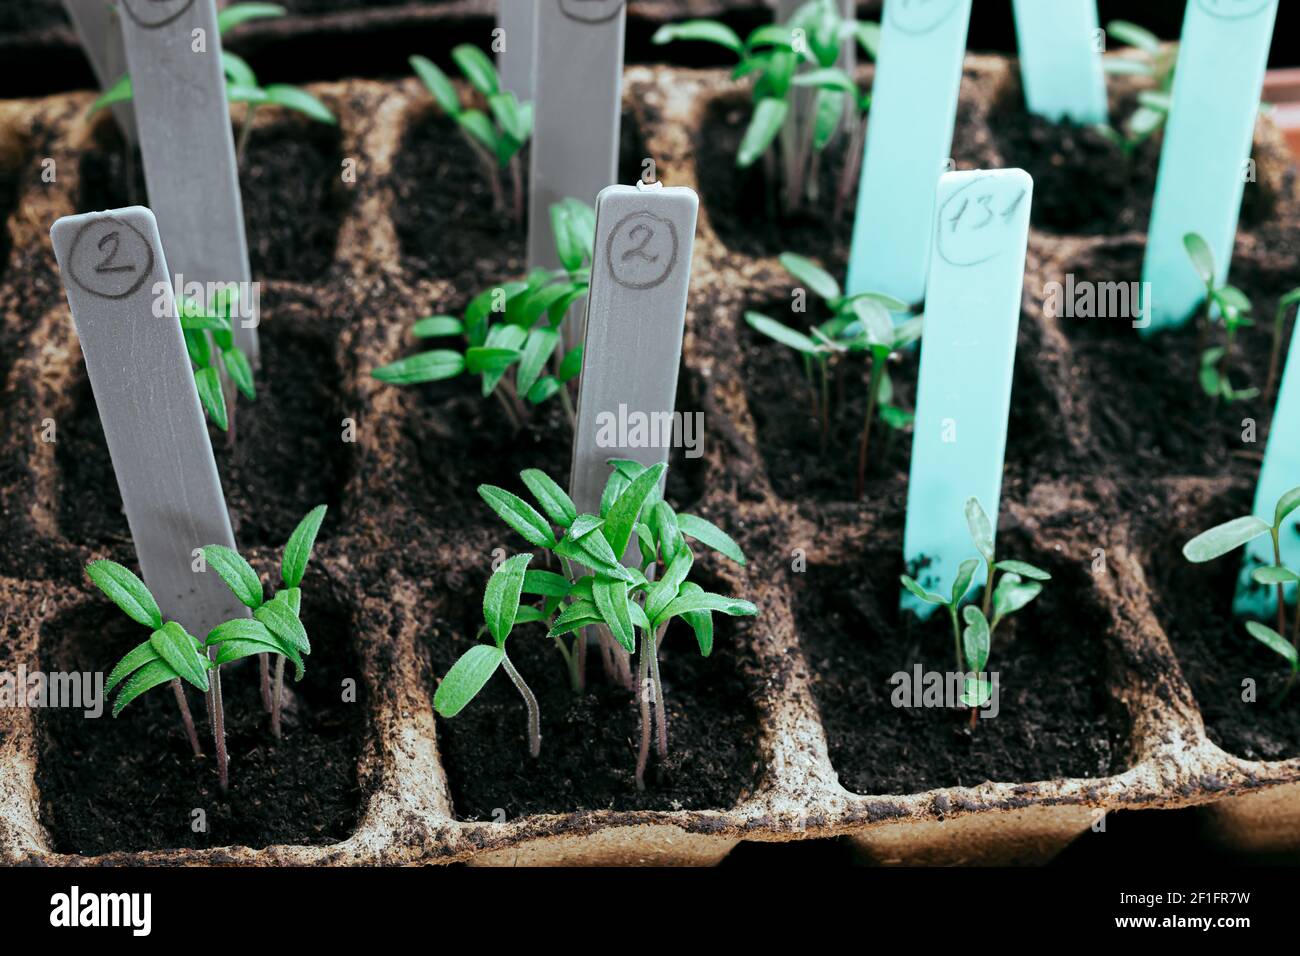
774	55
1231	535
1004	594
1151	59
512	333
498	137
241	82
626	595
859	325
210	342
1233	307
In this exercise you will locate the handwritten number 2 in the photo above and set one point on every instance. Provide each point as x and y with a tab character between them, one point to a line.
113	239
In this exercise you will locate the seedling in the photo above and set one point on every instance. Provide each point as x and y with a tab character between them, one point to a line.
241	82
859	324
275	627
528	335
1004	594
1229	536
498	138
209	340
773	55
1233	306
629	602
1275	359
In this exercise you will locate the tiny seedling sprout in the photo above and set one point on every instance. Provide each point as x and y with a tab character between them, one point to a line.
210	342
241	82
1233	306
1004	594
1229	536
498	138
859	324
628	602
1153	59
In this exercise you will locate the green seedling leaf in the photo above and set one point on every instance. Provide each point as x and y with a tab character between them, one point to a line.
708	31
977	692
1223	538
1273	576
555	501
810	274
476	66
119	92
625	511
961	584
300	101
466	678
537	352
238	72
1198	250
146	678
281	621
975	638
701	622
664	591
1274	642
238	13
663	521
1134	36
240	371
577	615
127	591
297	551
691	601
827	115
612	603
520	515
981	529
782	333
237	573
711	536
1024	569
208	382
180	651
437	326
769	117
1013	593
1288	503
827	78
546	583
438	83
571	365
929	597
136	658
501	597
424	367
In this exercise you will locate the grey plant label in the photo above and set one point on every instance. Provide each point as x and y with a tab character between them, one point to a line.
577	104
100	35
115	275
173	51
517	20
636	313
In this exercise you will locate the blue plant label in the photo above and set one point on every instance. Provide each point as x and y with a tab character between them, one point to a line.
1060	45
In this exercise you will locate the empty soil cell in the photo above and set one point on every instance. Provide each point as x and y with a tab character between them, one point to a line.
1193	603
133	783
290	181
590	740
289	454
1055	719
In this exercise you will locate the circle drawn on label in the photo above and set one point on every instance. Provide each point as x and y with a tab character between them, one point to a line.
152	14
641	250
919	17
592	11
974	223
1233	9
110	258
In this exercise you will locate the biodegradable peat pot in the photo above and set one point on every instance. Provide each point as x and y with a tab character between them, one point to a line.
407	548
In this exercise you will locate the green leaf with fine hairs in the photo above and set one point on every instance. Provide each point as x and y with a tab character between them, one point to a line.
708	31
123	588
425	367
438	83
181	653
625	511
146	678
501	596
577	615
961	584
701	621
208	383
238	13
1198	250
975	638
281	621
466	678
1288	503
1223	538
519	514
548	583
244	637
590	549
1024	569
1012	593
1271	576
981	529
119	92
537	352
663	521
711	536
437	326
810	274
476	66
240	371
664	591
645	542
688	602
297	550
782	333
555	501
237	573
611	601
769	117
136	658
929	597
1274	642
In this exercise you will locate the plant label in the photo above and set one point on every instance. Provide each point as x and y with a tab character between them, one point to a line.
173	50
100	35
517	21
636	312
576	110
968	349
115	276
1060	60
1222	56
909	137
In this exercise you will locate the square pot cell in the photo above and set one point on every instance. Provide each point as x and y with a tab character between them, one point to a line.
1222	663
289	454
132	782
1056	719
290	183
803	466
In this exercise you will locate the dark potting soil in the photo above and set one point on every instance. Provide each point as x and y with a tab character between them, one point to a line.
289	454
290	181
1055	718
133	783
590	741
